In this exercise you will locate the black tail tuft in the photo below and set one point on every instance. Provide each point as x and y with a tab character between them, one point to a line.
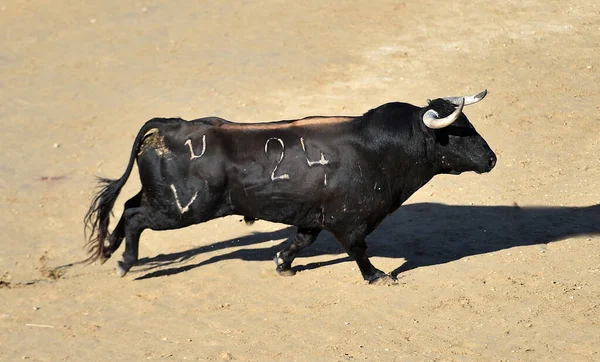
98	216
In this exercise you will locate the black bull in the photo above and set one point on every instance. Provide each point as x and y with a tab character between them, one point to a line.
340	174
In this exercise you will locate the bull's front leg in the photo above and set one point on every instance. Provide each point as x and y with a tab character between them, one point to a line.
301	240
356	247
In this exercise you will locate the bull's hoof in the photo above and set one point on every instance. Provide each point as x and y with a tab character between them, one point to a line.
386	279
281	269
285	272
381	278
104	257
123	268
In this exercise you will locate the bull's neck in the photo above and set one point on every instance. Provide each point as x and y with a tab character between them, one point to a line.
410	167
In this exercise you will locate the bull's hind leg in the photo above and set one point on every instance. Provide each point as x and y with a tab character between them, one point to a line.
135	220
116	238
301	240
138	219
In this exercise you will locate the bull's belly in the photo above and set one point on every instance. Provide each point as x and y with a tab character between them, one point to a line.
307	209
298	216
277	204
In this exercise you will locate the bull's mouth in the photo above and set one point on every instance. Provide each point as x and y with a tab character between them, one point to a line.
486	169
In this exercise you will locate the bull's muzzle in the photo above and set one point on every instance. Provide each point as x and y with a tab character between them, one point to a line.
491	162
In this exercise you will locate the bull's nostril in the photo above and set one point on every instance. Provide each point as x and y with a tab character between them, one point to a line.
492	162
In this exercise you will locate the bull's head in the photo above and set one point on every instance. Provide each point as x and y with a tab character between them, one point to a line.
454	143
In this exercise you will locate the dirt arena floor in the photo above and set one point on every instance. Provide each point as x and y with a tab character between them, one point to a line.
502	266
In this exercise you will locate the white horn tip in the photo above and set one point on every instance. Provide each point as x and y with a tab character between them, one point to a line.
481	95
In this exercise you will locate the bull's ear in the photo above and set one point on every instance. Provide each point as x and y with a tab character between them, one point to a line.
432	119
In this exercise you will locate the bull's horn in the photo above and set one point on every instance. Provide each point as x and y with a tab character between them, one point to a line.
468	99
432	119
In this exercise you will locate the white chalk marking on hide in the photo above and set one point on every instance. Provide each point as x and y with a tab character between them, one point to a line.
189	144
322	161
284	176
310	163
325	181
278	140
186	208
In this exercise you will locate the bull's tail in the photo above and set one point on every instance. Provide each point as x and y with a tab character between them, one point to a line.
97	218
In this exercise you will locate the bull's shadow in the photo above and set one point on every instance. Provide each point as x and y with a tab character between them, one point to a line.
423	234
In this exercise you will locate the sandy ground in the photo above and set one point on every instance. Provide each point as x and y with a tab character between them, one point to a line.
495	267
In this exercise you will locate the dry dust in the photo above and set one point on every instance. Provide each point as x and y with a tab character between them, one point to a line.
502	266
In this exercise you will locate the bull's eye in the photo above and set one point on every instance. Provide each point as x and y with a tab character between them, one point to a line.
460	131
442	137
